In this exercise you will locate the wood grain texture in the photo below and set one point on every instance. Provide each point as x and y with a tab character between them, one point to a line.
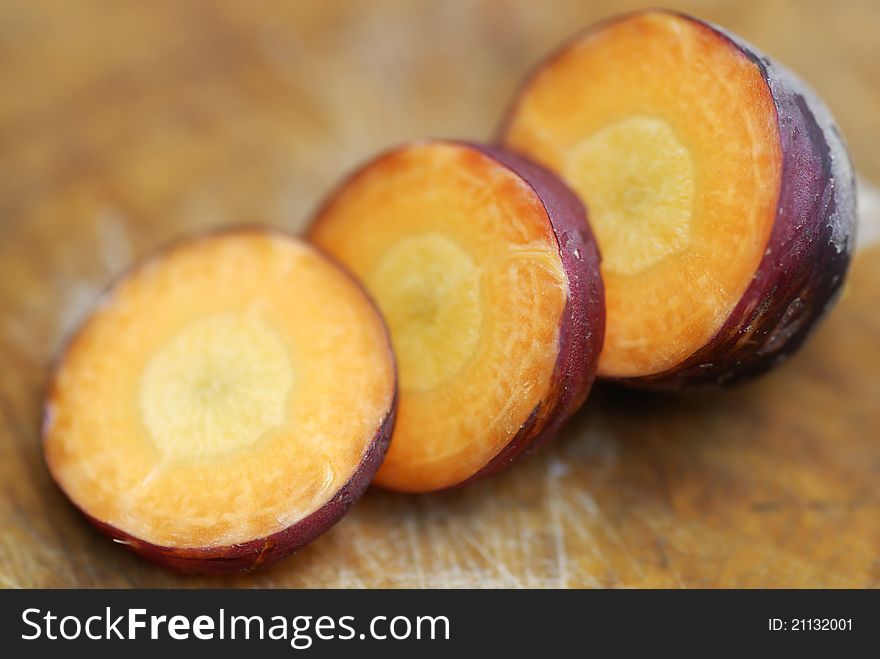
123	124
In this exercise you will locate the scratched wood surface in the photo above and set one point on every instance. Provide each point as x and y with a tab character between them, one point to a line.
123	124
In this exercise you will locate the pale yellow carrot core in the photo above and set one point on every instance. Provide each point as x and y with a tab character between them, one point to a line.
429	288
219	384
639	179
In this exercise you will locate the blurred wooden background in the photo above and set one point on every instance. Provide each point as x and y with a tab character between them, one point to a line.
123	124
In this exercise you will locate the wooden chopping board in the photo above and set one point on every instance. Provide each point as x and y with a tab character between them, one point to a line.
125	124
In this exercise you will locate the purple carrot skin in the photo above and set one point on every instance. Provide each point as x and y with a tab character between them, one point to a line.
262	552
347	219
582	328
809	251
807	254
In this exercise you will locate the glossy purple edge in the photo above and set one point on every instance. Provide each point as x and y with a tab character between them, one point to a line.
582	325
810	246
808	253
246	556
